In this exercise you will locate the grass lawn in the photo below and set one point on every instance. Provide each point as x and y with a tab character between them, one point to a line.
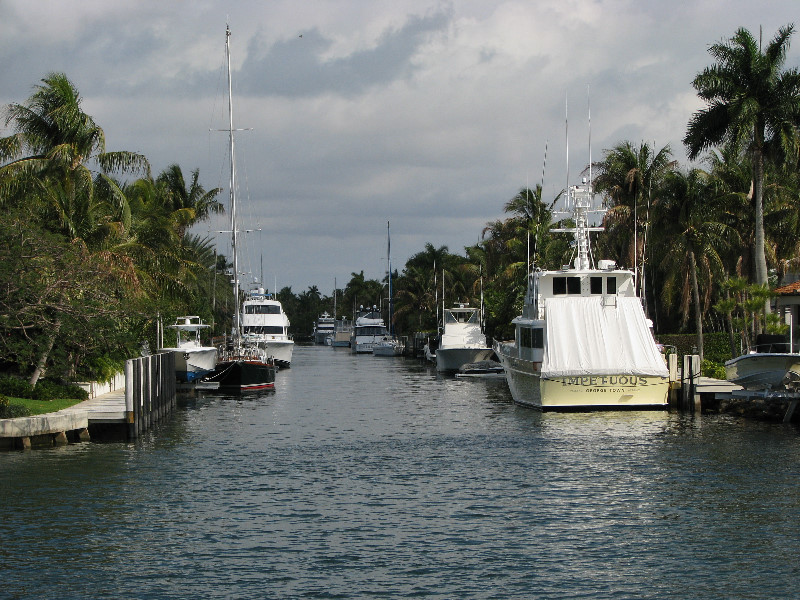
40	407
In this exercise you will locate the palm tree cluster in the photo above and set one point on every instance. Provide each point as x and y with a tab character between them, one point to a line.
90	259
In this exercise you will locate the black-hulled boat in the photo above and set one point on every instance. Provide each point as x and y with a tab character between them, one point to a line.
243	365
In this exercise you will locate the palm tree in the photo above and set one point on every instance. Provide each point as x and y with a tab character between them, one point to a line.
753	104
691	241
628	176
49	156
189	204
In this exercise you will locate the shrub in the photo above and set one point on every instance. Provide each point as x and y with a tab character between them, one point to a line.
15	387
709	368
50	390
10	411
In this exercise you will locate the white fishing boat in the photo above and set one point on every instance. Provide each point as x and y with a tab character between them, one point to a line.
193	360
770	366
324	329
265	324
462	340
243	365
583	341
368	331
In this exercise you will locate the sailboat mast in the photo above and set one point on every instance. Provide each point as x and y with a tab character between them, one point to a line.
232	183
389	264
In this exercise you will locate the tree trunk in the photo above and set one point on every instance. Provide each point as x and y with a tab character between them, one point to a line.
40	366
759	255
698	318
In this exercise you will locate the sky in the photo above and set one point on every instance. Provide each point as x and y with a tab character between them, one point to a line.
429	115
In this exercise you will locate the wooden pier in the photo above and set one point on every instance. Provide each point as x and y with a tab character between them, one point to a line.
148	396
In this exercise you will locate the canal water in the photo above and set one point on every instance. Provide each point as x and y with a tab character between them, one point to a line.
370	477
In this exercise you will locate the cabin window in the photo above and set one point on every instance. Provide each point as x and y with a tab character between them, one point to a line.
262	309
574	285
559	286
611	285
566	285
531	337
596	285
264	329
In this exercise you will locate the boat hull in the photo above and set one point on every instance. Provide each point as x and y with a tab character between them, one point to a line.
244	375
585	392
280	351
452	359
192	364
762	371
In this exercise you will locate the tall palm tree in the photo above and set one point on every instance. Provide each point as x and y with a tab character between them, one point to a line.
49	158
629	176
691	242
752	103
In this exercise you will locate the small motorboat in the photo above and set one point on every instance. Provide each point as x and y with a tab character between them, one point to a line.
482	368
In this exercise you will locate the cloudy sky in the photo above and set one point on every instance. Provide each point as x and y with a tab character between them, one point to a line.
428	114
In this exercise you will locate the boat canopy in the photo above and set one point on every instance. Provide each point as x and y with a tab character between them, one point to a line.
587	336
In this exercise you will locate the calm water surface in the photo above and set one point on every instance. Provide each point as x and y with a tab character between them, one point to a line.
374	477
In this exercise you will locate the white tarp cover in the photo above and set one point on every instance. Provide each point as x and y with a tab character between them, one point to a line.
586	338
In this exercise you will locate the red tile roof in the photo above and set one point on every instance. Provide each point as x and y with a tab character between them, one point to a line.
792	288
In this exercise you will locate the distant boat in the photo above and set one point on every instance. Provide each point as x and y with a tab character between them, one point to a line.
243	365
265	324
462	339
389	345
368	331
484	368
324	329
193	360
583	341
771	366
342	330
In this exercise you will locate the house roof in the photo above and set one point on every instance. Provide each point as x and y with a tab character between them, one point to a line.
792	288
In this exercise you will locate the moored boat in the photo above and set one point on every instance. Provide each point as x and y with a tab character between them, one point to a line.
770	366
342	330
324	329
388	346
462	340
368	331
265	324
582	340
193	360
483	368
243	365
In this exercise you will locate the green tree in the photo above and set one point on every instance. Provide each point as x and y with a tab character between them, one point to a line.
752	103
691	243
189	204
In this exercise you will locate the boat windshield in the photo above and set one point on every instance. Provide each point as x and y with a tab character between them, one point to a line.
262	309
461	317
265	329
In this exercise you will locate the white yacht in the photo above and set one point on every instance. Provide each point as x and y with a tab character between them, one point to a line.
192	358
368	331
462	341
265	324
323	329
583	341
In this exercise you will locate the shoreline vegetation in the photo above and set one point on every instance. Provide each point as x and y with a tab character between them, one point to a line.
95	247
